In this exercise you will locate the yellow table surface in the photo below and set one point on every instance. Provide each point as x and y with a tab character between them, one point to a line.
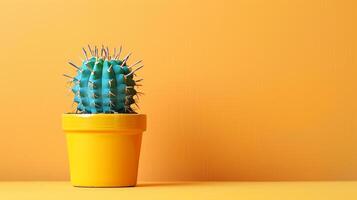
183	190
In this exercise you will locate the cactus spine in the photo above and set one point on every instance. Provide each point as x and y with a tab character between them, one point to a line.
104	83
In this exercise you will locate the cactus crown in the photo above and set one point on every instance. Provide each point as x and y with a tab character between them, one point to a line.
104	83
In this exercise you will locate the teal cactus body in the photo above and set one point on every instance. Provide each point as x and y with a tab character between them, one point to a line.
104	83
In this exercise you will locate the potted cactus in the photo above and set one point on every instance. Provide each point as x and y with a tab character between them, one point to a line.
104	132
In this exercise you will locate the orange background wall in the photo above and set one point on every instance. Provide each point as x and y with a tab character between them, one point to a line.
235	90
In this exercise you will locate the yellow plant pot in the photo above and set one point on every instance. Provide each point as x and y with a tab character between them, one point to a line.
103	149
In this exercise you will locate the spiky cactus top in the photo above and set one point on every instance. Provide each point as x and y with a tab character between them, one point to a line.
104	83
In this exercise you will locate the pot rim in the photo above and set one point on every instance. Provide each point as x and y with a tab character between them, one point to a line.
103	122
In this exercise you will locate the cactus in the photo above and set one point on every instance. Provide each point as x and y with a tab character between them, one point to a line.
104	83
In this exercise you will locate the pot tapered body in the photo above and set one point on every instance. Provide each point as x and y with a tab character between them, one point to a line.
103	149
